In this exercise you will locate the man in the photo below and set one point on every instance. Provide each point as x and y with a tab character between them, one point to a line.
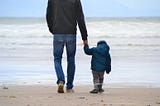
62	18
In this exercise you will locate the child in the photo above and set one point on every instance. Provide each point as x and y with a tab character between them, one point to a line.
101	62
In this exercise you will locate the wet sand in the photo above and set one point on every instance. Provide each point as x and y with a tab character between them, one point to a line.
40	95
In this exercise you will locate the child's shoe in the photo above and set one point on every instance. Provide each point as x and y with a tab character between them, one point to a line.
94	91
101	90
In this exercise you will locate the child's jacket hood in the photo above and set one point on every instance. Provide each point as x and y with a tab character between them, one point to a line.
103	49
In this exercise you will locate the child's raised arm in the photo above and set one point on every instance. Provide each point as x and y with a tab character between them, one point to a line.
87	50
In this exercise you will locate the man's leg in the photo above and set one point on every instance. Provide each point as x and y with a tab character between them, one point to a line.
101	75
58	45
71	51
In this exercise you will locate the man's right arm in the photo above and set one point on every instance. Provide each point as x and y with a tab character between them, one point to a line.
81	20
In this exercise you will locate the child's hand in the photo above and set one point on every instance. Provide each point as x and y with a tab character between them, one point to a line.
107	72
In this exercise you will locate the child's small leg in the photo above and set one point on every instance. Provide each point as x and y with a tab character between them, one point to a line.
96	89
101	82
100	88
96	82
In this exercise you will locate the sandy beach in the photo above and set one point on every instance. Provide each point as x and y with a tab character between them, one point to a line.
48	96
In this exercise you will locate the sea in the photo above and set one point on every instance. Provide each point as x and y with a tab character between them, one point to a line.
26	52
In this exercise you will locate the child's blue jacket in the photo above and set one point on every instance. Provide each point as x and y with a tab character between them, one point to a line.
101	60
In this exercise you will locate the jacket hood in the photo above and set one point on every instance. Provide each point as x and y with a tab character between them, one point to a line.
101	42
103	48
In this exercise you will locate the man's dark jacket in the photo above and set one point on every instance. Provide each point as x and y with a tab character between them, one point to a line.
63	15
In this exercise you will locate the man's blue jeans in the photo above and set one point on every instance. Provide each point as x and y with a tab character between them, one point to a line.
59	41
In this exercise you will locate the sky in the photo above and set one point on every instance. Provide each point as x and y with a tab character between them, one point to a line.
91	8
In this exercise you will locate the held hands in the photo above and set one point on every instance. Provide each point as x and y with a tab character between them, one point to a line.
85	42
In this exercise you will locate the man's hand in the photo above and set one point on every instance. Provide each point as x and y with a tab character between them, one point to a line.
85	42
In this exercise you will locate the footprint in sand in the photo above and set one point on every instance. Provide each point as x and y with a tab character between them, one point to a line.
12	97
5	88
